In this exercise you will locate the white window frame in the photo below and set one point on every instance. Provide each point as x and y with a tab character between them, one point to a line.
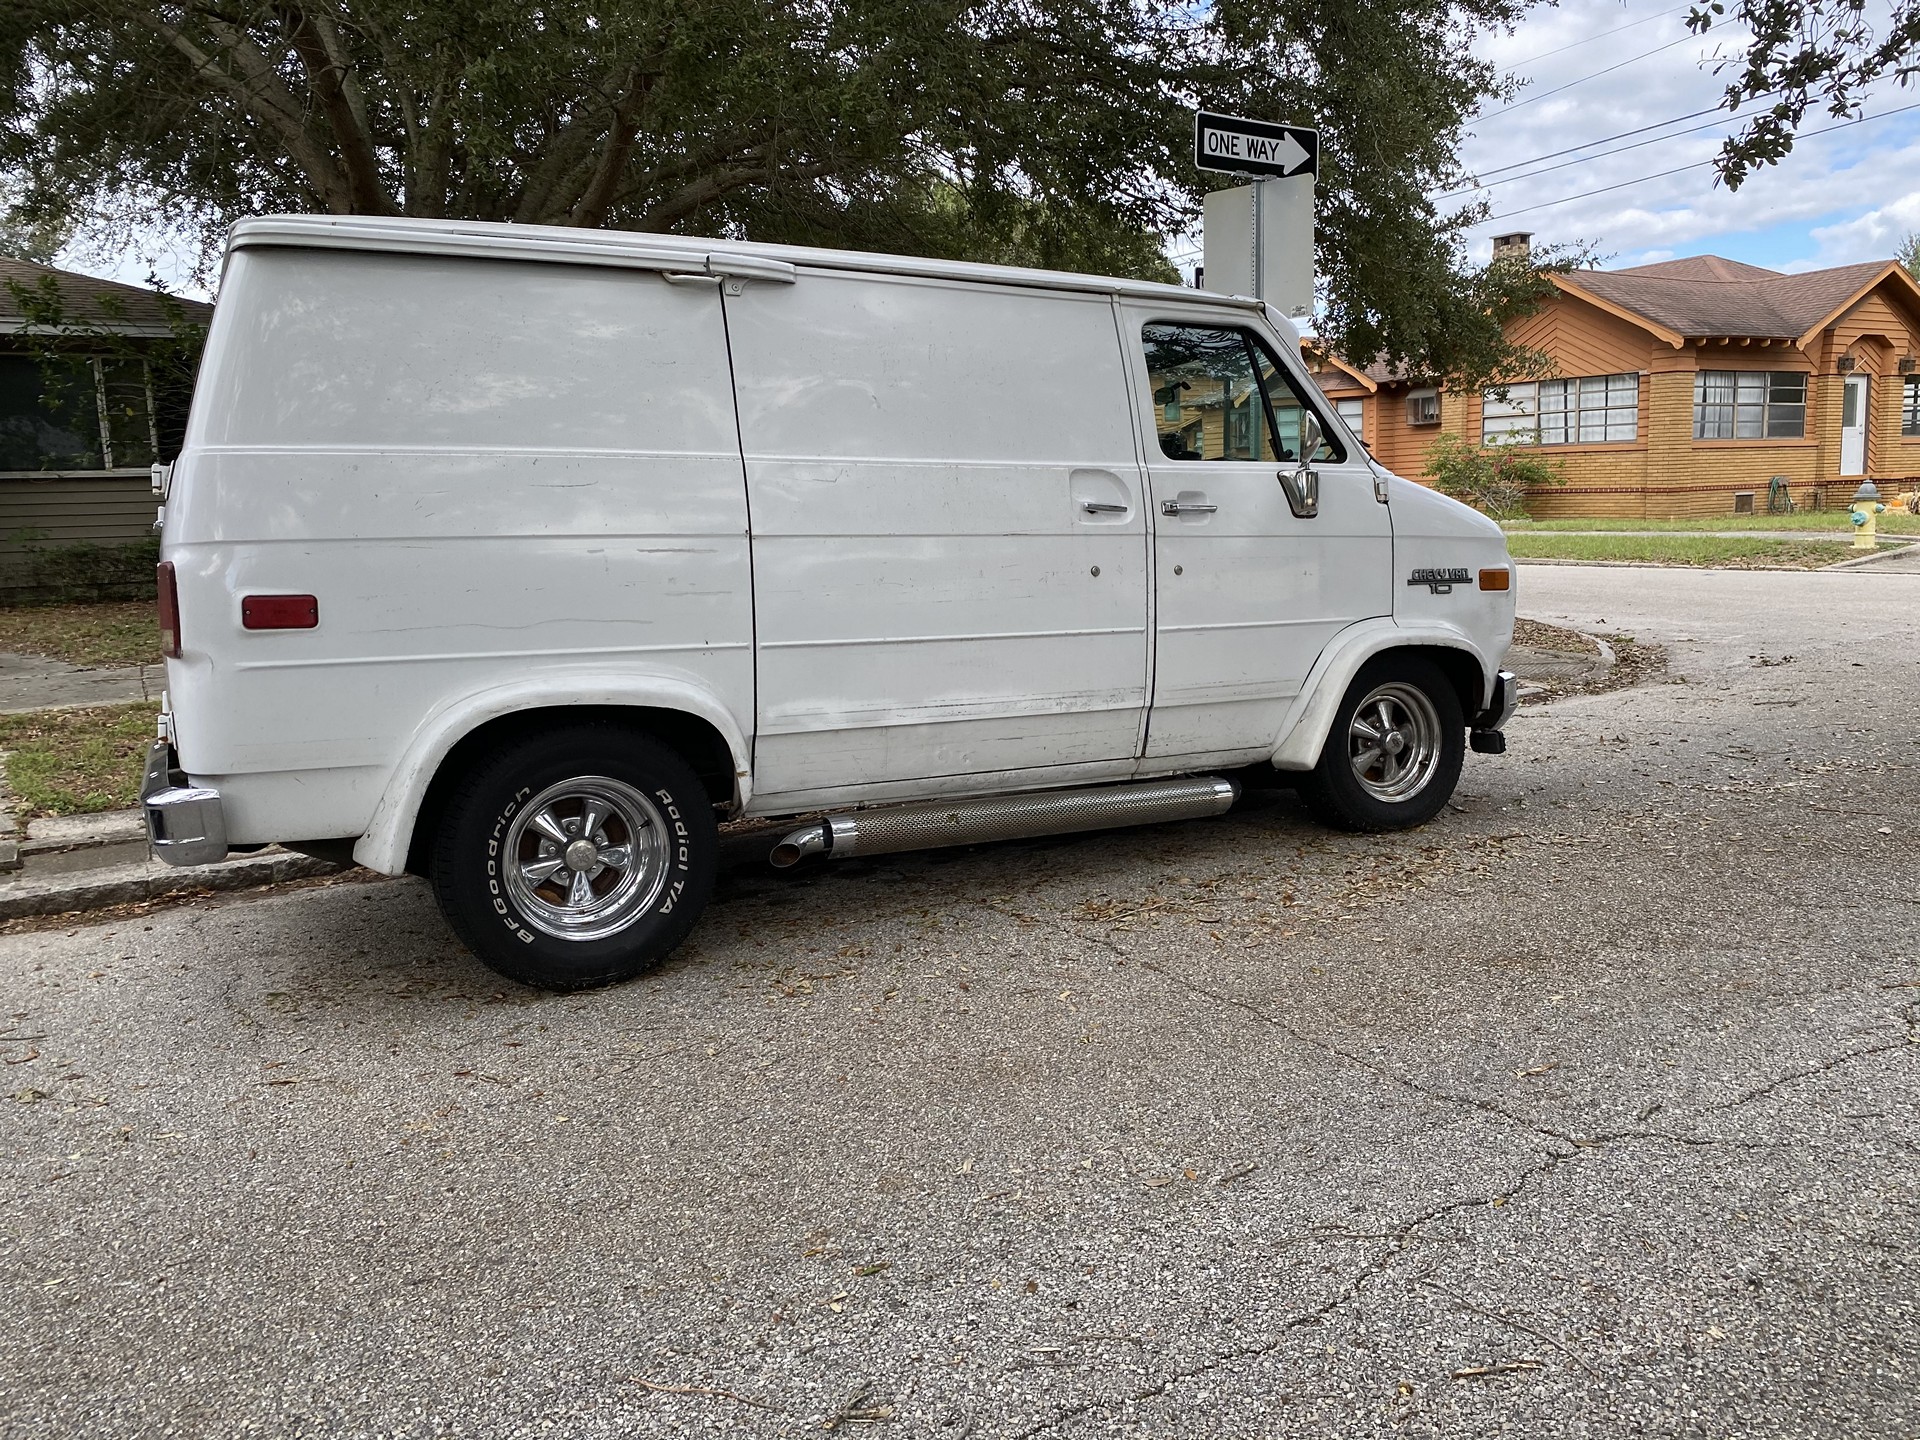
1910	407
1580	410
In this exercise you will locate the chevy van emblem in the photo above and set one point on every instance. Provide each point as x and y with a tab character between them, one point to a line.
1440	582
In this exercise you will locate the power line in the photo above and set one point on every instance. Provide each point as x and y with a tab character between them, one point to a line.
1618	65
1564	164
1696	165
1575	45
1603	140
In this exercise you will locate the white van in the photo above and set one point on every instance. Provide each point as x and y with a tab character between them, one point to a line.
515	557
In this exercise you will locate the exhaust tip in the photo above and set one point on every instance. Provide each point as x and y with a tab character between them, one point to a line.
797	845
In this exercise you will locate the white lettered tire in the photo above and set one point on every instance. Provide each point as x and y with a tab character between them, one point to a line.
575	858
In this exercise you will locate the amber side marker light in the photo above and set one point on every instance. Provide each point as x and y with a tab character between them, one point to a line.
1496	579
279	612
167	590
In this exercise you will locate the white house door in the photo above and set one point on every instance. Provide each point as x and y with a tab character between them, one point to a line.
1853	426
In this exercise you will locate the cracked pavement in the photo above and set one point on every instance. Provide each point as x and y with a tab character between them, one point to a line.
1588	1110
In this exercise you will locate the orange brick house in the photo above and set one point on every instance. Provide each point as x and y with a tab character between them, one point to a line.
1683	388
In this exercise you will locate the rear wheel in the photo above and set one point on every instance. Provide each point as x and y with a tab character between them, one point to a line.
576	858
1393	756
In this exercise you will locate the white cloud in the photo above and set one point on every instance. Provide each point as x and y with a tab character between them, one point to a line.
1856	179
1871	236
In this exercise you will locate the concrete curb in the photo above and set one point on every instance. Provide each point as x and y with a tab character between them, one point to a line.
149	880
1872	557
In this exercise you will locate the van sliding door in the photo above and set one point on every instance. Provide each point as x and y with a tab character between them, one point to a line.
949	543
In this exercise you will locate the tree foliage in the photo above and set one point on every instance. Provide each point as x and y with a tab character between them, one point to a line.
1805	55
1055	132
1908	253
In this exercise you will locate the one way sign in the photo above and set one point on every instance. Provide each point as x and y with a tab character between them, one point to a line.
1254	147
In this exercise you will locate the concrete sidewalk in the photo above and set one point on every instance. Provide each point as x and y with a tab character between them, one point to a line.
32	682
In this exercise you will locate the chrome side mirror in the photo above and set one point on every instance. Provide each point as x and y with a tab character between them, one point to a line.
1311	436
1302	483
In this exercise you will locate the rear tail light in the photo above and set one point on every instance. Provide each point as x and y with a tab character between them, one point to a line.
279	612
168	592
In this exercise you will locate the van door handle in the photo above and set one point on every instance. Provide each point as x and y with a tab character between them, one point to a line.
1103	507
1185	507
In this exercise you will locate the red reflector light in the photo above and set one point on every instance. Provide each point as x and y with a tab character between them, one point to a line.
167	589
279	612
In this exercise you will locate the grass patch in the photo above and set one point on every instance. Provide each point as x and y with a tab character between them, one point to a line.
1894	522
77	762
1721	551
116	633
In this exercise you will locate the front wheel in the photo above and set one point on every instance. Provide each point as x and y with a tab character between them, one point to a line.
576	858
1394	752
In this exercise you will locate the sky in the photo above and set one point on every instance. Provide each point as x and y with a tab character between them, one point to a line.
1843	196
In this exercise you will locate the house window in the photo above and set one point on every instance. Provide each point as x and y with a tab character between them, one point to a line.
1749	405
84	415
1351	413
1910	407
1585	411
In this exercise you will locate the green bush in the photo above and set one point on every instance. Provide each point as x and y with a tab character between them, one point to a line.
64	574
1494	479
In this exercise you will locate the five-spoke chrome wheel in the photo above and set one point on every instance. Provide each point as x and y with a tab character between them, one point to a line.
1394	741
584	857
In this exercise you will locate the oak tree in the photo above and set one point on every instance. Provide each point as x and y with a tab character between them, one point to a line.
1051	132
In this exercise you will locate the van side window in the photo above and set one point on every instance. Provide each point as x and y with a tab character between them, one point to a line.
1218	394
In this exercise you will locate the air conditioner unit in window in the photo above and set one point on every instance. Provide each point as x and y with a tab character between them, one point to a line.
1423	408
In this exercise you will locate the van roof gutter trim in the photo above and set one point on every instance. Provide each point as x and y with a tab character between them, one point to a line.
626	249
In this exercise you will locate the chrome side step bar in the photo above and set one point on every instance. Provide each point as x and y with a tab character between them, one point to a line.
932	824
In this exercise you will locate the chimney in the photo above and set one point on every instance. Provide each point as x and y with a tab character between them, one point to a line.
1517	246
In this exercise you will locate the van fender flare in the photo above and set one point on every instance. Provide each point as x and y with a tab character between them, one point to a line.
1303	732
389	832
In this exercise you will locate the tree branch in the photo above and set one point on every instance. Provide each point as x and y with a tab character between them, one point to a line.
328	76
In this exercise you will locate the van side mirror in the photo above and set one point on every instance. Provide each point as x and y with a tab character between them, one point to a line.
1311	435
1302	484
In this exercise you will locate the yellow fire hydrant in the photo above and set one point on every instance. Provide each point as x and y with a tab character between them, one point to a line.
1866	509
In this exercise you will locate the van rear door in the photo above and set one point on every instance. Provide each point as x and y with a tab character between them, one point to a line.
949	536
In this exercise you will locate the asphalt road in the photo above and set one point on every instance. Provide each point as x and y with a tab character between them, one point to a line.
1588	1110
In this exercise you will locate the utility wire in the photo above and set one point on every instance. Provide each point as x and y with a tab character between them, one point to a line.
1618	65
1576	44
1696	165
1603	140
1584	159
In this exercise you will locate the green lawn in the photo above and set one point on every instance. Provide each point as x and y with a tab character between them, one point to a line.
76	762
1894	522
113	633
1734	552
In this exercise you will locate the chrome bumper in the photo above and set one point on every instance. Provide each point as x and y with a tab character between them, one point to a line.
185	824
1506	699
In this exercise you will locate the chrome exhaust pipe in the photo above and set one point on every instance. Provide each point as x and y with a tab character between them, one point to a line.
933	824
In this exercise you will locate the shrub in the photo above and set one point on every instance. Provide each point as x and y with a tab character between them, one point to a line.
1493	479
64	574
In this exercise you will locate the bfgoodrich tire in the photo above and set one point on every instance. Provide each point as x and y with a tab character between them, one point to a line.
575	858
1392	757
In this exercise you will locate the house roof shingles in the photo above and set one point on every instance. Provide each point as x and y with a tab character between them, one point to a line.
1706	295
91	301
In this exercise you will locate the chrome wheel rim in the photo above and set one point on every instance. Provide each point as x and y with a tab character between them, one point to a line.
1393	741
585	858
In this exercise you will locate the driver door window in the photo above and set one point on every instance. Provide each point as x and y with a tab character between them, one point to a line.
1219	394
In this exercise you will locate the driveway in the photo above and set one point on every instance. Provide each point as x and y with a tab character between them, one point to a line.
1590	1109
